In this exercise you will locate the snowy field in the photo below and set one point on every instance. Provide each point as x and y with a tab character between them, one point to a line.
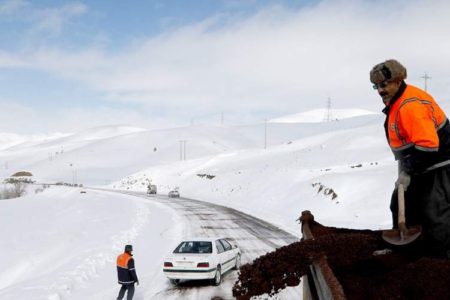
61	244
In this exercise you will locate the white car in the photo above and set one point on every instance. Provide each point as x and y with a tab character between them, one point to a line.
202	258
174	194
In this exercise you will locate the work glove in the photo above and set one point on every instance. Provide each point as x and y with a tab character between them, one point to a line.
137	282
404	179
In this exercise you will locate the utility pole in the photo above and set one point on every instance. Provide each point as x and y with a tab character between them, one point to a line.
328	115
265	133
425	78
183	149
73	173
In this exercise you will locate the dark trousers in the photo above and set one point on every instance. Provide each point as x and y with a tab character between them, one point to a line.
427	203
123	289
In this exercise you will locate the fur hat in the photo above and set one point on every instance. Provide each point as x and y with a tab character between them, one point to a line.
128	248
388	70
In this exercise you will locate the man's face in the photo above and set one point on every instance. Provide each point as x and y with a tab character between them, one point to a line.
387	90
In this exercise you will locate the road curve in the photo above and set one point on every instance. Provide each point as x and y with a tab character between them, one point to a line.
254	236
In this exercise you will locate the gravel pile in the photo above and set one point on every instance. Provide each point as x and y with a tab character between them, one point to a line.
403	273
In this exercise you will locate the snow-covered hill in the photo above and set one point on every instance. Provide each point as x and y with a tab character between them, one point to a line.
342	171
349	157
321	115
255	167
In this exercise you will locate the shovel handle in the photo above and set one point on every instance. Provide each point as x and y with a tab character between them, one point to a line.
401	207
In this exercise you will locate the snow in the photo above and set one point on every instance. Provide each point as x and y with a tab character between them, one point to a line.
60	241
319	115
8	140
61	244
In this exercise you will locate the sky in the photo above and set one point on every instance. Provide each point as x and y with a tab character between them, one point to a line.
70	65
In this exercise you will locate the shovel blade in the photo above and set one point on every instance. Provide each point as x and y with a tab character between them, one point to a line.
396	237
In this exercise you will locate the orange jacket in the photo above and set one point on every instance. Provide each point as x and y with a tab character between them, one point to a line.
414	126
417	129
413	121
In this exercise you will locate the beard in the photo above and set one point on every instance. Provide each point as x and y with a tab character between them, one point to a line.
385	97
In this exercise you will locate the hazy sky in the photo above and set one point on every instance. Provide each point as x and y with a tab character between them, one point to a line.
70	65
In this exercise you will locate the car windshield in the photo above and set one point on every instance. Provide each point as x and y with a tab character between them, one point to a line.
194	247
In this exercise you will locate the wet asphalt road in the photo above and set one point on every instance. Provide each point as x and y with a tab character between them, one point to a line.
254	236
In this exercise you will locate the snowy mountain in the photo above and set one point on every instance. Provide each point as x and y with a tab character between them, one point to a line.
321	115
64	243
349	156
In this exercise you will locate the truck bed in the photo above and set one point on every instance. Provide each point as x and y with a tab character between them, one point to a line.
403	272
339	263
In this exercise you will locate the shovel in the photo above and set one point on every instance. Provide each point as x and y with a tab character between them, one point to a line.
402	235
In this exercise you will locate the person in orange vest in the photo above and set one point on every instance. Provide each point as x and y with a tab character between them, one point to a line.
126	273
418	133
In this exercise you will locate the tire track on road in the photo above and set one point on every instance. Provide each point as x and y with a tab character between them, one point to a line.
254	236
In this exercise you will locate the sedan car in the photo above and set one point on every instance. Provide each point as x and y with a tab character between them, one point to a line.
202	258
174	194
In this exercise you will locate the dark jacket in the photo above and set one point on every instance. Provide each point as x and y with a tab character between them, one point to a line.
126	271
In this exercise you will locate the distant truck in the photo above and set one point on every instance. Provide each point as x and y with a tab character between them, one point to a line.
151	189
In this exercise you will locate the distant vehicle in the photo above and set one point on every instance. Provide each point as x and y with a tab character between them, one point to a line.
202	258
151	189
174	194
82	192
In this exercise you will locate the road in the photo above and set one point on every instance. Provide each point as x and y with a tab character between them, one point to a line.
254	236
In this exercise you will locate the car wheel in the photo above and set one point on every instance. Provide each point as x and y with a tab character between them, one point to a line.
237	265
174	281
218	277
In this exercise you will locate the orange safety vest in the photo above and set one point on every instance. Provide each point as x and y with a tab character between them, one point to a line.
126	273
413	121
122	260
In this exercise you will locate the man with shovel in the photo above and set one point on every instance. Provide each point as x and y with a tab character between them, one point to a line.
418	133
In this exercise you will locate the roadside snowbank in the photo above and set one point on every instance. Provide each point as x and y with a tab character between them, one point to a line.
62	244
